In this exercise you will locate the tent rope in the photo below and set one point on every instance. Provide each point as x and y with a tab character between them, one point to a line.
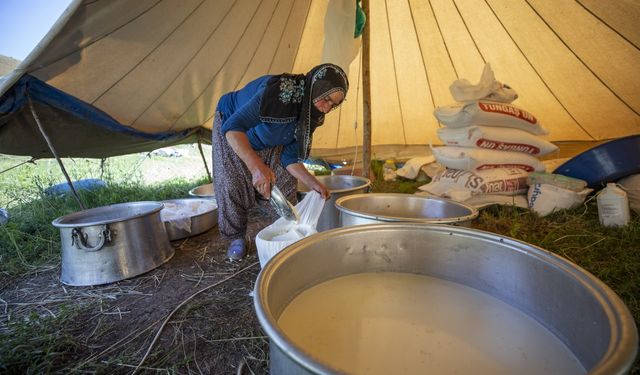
32	161
53	151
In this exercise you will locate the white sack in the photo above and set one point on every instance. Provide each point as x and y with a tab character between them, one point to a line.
412	167
481	159
496	138
558	180
488	88
282	233
461	185
545	199
490	114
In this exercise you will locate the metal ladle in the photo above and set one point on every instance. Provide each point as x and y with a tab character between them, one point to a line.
283	207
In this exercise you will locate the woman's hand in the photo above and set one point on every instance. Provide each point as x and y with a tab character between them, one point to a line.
261	175
320	188
300	172
262	178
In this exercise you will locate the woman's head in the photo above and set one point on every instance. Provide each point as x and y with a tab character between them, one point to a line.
329	86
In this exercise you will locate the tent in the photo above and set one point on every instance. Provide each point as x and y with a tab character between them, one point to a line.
116	76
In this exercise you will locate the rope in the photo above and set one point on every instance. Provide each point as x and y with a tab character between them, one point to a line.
32	161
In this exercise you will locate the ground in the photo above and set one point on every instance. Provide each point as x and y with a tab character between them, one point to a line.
113	326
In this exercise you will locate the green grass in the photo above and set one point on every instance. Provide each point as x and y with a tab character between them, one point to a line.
39	344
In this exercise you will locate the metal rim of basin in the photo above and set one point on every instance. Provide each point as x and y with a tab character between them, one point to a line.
73	220
365	183
473	212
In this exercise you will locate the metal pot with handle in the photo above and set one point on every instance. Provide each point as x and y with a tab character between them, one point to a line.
111	243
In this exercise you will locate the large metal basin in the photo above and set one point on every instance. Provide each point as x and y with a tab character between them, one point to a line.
570	304
379	208
111	243
339	186
188	217
206	191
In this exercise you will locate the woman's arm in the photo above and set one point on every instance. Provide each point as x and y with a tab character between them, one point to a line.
300	172
262	175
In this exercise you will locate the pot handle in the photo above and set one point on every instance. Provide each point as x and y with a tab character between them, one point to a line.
79	239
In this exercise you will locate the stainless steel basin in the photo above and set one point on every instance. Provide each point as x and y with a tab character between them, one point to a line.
585	315
206	191
390	207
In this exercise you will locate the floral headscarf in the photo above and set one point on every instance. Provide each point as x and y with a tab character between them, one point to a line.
290	97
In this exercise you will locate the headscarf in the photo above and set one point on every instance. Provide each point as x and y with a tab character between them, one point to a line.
291	97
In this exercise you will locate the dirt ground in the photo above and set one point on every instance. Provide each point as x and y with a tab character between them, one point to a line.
216	332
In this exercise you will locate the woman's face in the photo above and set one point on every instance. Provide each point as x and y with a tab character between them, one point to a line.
329	102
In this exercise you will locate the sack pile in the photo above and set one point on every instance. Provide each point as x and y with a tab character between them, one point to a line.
490	145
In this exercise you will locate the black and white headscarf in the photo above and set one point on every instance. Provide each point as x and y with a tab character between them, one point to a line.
290	97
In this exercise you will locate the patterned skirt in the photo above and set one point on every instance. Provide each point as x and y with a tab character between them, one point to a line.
234	190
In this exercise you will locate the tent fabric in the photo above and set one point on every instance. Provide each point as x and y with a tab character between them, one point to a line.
76	128
159	66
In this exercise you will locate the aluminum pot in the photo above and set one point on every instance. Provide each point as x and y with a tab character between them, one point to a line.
339	186
195	216
585	315
390	207
206	191
111	243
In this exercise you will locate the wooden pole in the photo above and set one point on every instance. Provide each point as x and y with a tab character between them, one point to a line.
366	95
55	154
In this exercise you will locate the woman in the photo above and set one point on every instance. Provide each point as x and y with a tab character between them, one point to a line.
261	135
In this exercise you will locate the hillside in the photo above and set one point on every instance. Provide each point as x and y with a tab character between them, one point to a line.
7	64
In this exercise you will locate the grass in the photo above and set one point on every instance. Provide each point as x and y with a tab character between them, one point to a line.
39	344
28	242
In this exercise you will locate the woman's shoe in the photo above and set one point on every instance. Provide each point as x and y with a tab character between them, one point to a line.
237	250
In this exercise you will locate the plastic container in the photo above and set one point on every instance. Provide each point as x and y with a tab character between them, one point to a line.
613	206
389	170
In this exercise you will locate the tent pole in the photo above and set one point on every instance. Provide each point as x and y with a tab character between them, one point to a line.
55	154
204	160
366	95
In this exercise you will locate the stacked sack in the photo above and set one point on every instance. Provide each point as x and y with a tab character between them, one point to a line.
490	144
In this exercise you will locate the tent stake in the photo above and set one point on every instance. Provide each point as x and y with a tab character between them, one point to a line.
206	168
55	154
366	95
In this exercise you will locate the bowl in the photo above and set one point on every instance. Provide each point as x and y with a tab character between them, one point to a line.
203	191
188	217
607	162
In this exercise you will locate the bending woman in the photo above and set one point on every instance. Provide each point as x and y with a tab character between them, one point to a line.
261	135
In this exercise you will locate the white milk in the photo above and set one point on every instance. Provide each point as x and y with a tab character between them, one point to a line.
396	323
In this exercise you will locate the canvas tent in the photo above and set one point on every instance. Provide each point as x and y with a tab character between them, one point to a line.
117	76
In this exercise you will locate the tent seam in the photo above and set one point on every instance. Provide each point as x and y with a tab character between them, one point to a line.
185	66
178	118
538	73
582	61
444	41
272	57
395	71
606	23
150	52
45	64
